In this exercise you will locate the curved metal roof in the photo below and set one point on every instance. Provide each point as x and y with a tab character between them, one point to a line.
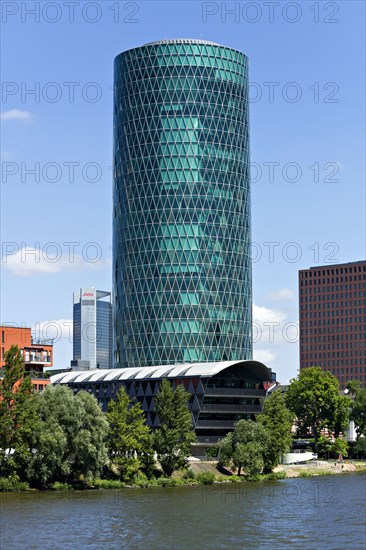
181	41
185	370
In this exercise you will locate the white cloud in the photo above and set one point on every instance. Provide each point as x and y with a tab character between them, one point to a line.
275	340
263	314
28	261
16	114
272	326
284	295
59	329
265	356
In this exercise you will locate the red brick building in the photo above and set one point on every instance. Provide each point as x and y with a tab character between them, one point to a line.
37	354
332	307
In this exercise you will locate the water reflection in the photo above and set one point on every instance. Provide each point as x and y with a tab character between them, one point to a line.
304	513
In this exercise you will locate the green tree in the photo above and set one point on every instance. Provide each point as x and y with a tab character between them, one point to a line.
277	420
246	447
226	450
49	449
342	414
17	415
360	446
173	438
249	456
129	441
325	446
69	443
315	399
353	386
340	447
358	406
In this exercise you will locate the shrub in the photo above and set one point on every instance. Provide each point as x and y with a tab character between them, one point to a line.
254	477
109	484
276	475
189	474
12	484
212	451
180	481
59	486
167	482
235	479
222	478
206	478
141	481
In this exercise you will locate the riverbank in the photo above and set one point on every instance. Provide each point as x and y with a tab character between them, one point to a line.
313	468
201	473
320	468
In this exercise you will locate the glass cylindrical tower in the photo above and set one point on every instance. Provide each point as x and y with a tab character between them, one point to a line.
181	214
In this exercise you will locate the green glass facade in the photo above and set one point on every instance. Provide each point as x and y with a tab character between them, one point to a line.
181	215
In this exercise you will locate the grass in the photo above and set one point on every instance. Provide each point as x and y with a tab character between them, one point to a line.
304	473
108	484
273	476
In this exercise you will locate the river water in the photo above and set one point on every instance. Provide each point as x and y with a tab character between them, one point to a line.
305	513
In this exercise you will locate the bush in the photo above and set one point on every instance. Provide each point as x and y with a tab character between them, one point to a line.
206	478
273	476
58	486
189	474
254	477
222	478
12	484
141	481
109	484
167	482
235	479
212	451
181	481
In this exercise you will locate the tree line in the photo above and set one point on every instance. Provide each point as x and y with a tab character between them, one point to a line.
312	405
57	436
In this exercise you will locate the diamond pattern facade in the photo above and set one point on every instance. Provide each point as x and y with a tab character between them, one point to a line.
181	217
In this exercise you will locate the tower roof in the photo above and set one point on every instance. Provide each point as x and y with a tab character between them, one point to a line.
181	41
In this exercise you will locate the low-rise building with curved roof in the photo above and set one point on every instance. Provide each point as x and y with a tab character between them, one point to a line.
220	393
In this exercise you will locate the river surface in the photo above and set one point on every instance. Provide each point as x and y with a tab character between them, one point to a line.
306	513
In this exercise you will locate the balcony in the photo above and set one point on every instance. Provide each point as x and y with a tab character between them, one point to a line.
208	439
234	409
39	376
234	392
37	359
42	342
214	424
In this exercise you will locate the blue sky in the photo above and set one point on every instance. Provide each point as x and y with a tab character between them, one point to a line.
307	69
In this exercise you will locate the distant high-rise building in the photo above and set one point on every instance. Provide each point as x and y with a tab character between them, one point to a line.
92	329
332	300
181	218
